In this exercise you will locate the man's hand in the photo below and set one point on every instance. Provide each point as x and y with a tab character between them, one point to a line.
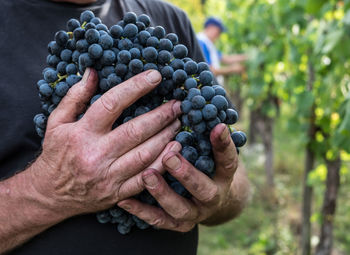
86	166
228	70
214	201
237	68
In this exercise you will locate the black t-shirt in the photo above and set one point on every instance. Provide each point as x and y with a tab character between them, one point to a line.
27	27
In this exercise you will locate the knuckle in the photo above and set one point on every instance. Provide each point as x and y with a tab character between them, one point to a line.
157	222
184	173
72	94
109	101
211	196
167	114
230	164
140	82
132	133
183	214
139	182
84	158
86	162
145	157
186	227
73	97
136	210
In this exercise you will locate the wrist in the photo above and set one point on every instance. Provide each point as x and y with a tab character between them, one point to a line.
36	205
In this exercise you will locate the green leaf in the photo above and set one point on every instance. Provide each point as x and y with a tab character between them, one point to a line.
346	18
332	39
342	136
314	6
304	101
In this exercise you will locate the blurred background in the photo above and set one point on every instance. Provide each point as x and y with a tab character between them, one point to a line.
294	105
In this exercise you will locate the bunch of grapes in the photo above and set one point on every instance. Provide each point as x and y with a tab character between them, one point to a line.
120	52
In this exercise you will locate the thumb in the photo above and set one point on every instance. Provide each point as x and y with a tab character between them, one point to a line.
224	151
75	101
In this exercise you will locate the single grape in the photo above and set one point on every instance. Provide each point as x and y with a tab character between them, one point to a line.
86	16
130	17
231	116
136	66
206	165
195	116
92	36
207	92
150	54
184	138
173	38
95	51
144	19
130	31
165	44
190	154
209	112
167	72
106	41
220	102
206	78
198	102
191	67
61	88
193	92
239	138
61	38
179	76
116	31
180	51
159	32
190	83
72	24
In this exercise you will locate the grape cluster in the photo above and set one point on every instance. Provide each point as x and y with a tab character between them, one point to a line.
120	52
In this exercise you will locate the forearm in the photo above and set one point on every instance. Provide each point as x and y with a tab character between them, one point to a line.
226	70
24	212
233	59
221	71
236	201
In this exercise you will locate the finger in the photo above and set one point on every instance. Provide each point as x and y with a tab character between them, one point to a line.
225	153
154	216
157	164
75	101
197	183
135	185
141	157
175	205
103	113
138	130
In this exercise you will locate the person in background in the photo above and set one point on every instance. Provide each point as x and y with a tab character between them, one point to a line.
213	27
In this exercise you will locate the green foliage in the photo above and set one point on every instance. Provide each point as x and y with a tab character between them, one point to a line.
299	65
298	54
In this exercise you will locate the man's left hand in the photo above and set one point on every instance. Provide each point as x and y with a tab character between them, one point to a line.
210	196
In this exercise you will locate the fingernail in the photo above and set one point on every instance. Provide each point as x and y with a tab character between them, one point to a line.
177	126
86	76
176	147
125	206
177	108
153	76
150	180
224	133
173	163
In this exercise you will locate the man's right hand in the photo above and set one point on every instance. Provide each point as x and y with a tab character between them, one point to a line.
85	165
